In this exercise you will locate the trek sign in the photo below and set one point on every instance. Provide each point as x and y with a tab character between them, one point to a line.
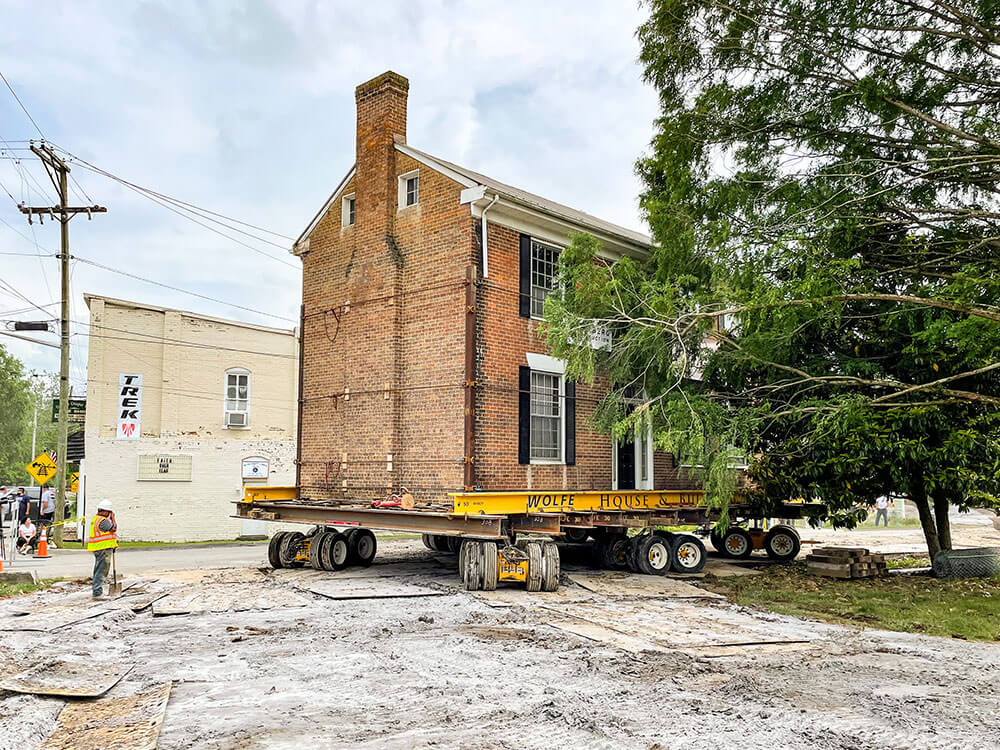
129	406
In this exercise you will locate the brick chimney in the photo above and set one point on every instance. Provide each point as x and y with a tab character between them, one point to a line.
381	106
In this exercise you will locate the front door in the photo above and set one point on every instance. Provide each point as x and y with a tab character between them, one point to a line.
625	458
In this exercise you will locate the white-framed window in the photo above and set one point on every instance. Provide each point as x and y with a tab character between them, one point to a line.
236	409
348	213
543	274
547	415
409	189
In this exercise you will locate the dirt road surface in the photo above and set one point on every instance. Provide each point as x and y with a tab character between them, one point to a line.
577	668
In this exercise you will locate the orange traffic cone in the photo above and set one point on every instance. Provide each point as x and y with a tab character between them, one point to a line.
43	546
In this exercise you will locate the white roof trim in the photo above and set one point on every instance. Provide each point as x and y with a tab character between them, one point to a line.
322	212
545	363
437	166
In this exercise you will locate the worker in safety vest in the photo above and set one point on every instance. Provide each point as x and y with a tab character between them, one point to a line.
102	540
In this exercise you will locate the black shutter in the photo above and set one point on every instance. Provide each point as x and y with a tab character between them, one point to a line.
524	415
570	423
525	306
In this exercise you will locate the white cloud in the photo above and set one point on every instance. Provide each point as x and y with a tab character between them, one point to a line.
248	109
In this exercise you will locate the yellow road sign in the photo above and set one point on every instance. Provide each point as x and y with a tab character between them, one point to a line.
43	468
74	481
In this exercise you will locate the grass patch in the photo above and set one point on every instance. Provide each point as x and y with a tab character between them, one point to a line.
952	608
907	562
17	589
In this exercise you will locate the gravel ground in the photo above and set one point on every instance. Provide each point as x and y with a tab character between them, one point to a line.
451	671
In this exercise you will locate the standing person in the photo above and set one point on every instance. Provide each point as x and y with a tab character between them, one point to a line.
47	507
22	503
882	511
27	535
102	541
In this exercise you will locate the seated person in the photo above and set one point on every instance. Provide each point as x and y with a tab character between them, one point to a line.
27	535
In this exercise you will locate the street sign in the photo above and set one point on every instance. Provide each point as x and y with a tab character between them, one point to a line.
77	410
74	481
43	468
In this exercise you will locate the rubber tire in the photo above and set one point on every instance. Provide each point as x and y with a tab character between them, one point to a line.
316	551
632	556
426	539
362	547
660	549
461	557
683	544
576	536
452	544
338	552
716	539
472	574
727	538
613	556
536	573
488	565
791	552
551	567
289	548
274	550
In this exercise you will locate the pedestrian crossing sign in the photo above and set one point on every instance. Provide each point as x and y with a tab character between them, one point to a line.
43	468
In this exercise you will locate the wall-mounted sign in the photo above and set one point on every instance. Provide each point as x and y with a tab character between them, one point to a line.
129	406
164	468
255	468
77	410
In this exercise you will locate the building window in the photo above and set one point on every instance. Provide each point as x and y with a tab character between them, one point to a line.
237	401
409	190
546	416
347	215
543	275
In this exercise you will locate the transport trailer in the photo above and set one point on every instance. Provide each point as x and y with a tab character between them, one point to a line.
510	536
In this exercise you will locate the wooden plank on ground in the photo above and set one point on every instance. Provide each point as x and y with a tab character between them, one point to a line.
372	588
225	598
129	723
69	679
640	586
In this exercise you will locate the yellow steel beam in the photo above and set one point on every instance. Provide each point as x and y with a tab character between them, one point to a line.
274	492
573	502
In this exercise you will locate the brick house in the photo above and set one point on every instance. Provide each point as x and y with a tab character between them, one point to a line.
422	288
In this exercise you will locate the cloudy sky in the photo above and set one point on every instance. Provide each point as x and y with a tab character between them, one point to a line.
247	109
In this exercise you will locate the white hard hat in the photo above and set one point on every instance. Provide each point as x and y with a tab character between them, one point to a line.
104	505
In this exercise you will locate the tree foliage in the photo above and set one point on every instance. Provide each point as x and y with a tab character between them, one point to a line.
823	176
15	418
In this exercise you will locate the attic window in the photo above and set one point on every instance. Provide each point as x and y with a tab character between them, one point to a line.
347	211
409	189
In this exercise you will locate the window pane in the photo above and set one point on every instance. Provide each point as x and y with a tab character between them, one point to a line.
412	188
231	391
546	421
350	211
231	380
543	272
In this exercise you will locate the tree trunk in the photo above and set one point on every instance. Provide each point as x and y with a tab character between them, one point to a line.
943	521
918	494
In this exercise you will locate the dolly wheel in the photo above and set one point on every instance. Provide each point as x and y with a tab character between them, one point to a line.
489	565
426	539
632	554
362	547
290	545
472	572
535	570
338	552
274	550
614	549
736	543
716	539
316	545
782	543
550	567
654	553
688	554
575	536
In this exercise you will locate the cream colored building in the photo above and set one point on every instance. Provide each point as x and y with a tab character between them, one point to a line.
213	410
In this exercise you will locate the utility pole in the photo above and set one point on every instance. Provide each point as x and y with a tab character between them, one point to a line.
58	173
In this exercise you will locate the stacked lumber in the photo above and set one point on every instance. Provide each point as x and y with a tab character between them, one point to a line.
845	562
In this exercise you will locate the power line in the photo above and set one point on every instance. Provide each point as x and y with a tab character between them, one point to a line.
178	289
193	207
18	99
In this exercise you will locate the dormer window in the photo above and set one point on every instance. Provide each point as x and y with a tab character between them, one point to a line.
347	211
409	189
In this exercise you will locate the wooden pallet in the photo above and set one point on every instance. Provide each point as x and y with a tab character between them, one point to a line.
845	562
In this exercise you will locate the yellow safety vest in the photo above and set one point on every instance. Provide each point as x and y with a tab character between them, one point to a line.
100	539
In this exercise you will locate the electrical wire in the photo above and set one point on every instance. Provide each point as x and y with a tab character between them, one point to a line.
18	100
